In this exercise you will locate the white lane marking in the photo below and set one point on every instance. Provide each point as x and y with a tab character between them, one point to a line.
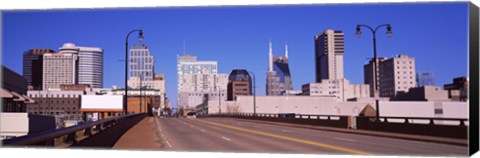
285	131
192	126
169	145
226	138
345	139
203	130
165	138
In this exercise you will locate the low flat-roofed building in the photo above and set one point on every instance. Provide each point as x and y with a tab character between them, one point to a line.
96	107
74	87
13	91
19	124
424	93
341	89
458	90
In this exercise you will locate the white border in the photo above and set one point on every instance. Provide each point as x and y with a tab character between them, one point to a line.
7	5
60	4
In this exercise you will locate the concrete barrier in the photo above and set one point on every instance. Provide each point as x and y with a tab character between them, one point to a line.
109	136
318	120
429	129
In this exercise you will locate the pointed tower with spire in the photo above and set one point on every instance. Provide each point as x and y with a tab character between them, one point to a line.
286	50
270	56
278	75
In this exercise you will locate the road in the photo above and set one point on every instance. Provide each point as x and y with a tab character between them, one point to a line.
236	135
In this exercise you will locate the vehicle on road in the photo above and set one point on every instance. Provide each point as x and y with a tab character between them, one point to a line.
191	115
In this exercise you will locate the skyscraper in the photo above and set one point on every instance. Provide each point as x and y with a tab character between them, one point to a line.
141	64
368	74
329	75
59	69
90	64
329	50
197	88
425	79
33	67
395	75
278	75
239	83
188	64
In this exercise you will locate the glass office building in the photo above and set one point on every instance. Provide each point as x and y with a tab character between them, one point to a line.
425	79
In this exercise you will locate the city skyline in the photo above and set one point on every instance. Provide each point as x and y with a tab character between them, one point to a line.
215	36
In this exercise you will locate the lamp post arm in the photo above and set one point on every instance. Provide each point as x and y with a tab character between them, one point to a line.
379	26
126	39
370	28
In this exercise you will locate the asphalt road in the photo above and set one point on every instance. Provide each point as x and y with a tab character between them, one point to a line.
236	135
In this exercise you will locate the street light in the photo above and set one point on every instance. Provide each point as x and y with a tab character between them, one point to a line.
375	80
219	103
219	99
125	99
140	90
254	94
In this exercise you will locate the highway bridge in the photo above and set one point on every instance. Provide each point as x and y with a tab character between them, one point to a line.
233	134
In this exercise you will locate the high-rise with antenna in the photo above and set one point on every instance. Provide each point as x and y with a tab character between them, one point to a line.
189	70
184	47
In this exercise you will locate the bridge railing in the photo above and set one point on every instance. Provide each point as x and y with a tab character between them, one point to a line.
441	127
85	130
340	121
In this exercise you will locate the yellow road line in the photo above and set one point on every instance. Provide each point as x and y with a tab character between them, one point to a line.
287	138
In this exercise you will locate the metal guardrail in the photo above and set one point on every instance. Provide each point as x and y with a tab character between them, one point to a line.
439	127
329	117
281	115
408	119
338	121
47	137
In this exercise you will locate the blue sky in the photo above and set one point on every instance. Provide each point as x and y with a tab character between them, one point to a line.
436	34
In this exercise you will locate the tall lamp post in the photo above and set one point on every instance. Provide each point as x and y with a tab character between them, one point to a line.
219	104
219	99
125	99
141	91
375	66
254	94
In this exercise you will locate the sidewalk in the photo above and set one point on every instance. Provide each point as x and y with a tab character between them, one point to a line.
142	136
453	141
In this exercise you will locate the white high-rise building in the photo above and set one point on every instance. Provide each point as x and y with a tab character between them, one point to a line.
188	64
330	80
329	50
395	75
90	64
341	89
197	88
59	69
141	63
